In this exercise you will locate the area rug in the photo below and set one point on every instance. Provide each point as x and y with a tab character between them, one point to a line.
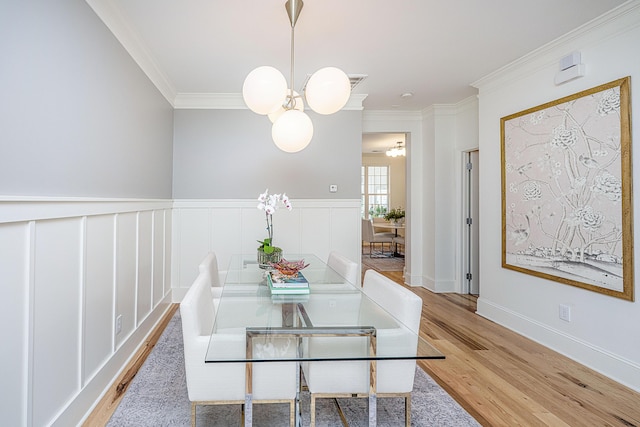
380	264
158	396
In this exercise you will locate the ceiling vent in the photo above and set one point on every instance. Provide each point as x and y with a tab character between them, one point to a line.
354	79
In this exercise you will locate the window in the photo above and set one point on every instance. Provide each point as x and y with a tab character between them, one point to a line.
375	190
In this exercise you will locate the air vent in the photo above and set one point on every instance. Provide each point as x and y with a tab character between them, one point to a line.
354	79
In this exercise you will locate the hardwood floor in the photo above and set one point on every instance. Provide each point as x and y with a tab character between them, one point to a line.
504	379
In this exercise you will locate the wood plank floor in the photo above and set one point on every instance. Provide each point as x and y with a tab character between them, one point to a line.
504	379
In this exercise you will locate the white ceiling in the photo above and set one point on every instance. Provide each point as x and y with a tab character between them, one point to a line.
432	48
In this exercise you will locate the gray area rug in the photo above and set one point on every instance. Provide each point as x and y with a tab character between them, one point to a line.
157	396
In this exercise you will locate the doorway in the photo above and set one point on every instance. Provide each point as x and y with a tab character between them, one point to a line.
385	187
472	223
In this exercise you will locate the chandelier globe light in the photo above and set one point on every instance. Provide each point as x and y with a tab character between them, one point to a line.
328	90
265	92
292	132
397	150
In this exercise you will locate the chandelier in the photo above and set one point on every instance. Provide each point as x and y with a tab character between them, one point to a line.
397	150
265	92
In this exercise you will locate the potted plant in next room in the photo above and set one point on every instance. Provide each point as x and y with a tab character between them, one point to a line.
267	252
395	216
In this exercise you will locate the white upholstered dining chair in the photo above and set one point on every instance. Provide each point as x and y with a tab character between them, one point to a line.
343	266
224	383
209	267
351	378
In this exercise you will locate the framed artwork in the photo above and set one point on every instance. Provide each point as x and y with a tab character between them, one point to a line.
566	190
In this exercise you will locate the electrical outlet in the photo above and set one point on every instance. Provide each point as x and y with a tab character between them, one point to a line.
564	312
333	188
118	324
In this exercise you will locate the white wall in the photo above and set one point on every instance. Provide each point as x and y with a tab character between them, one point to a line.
603	332
69	268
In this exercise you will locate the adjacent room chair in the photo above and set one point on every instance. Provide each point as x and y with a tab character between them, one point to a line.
343	266
370	236
351	378
224	383
399	241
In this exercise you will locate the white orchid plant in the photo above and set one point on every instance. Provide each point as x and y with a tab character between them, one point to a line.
269	204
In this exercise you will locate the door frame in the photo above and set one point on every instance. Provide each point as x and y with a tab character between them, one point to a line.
465	249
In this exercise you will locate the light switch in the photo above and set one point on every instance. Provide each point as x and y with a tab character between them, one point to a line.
333	188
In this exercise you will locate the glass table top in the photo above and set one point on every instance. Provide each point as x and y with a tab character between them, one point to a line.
336	320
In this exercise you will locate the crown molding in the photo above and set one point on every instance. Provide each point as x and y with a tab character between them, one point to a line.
113	18
616	21
234	101
391	115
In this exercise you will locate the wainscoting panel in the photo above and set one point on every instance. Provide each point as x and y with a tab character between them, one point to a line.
69	267
168	251
345	230
56	315
14	361
158	257
313	237
225	223
193	241
228	227
98	293
145	267
125	275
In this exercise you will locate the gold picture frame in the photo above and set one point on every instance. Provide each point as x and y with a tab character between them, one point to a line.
567	190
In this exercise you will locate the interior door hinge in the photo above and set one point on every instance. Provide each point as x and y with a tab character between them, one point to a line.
469	166
469	276
469	221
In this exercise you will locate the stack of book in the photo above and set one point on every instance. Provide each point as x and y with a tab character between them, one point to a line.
280	284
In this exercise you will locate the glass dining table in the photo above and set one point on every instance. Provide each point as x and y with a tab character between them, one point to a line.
332	308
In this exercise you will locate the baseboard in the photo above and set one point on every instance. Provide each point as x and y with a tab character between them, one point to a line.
611	365
439	286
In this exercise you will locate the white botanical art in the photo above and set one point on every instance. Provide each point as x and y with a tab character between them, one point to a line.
566	175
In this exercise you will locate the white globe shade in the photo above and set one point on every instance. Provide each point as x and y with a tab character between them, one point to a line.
264	90
299	106
328	90
292	131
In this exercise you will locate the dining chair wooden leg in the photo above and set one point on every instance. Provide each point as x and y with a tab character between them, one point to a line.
193	414
312	410
343	417
407	411
292	413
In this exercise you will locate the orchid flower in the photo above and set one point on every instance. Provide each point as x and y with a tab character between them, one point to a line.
269	204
